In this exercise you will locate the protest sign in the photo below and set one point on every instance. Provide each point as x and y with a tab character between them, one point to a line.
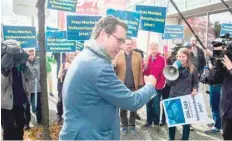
93	8
185	110
174	32
56	42
51	28
152	18
80	27
25	35
63	5
132	19
98	7
226	28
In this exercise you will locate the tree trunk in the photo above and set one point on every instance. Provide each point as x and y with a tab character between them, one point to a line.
43	74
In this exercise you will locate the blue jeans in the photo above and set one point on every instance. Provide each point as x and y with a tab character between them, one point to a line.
215	93
153	109
185	135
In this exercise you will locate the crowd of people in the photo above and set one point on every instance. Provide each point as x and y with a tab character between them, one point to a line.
111	73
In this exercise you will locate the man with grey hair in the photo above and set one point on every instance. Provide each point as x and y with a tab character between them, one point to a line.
34	86
92	93
14	75
154	66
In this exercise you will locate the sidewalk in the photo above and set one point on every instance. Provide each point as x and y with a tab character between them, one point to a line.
154	133
162	133
147	133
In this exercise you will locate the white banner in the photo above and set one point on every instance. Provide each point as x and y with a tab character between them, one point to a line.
27	8
185	110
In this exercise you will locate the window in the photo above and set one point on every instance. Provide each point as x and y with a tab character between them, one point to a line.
199	25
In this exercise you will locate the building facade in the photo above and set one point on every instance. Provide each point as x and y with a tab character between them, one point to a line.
204	16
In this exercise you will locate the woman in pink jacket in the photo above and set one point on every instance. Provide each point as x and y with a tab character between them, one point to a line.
154	66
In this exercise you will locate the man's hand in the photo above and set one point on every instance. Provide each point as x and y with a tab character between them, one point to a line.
226	61
210	66
150	80
209	53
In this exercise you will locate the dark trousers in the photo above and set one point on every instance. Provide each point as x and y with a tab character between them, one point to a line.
227	128
59	104
13	122
215	94
165	95
185	135
36	104
153	109
123	115
124	119
27	113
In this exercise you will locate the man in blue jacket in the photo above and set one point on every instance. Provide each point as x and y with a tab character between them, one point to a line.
93	94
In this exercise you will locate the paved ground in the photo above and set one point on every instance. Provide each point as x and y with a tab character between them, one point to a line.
152	133
161	133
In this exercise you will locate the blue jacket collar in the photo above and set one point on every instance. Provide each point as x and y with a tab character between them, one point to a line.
97	49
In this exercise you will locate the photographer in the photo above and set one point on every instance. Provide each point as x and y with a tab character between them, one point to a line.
222	72
226	103
14	74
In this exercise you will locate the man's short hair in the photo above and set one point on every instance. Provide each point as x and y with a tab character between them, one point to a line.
129	38
108	24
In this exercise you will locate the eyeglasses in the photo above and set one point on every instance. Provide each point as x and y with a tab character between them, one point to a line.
120	41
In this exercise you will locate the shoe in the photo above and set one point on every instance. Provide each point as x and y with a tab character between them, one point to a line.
39	122
191	128
132	130
210	124
156	126
214	130
124	130
138	117
147	125
51	94
58	118
162	123
27	127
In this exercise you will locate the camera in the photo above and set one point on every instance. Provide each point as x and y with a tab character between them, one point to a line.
12	54
222	46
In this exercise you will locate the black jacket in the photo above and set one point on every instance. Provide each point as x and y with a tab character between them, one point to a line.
201	60
222	74
184	85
